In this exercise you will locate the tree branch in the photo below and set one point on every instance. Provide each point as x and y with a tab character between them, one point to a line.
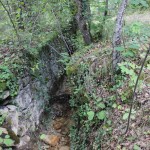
15	29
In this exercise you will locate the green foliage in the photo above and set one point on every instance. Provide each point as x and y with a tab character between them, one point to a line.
7	141
126	114
4	140
101	115
2	118
136	147
8	81
42	136
140	3
90	115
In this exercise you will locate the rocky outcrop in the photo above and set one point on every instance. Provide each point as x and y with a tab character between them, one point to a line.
36	88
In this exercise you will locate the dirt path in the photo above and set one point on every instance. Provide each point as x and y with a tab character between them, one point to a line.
142	17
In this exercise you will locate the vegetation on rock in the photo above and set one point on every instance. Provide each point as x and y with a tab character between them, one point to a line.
100	47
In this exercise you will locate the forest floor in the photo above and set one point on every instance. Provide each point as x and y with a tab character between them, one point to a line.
138	135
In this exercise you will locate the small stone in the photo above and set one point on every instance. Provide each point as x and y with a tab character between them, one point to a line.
146	95
44	147
3	130
64	148
23	141
51	139
4	110
13	120
12	107
6	95
57	125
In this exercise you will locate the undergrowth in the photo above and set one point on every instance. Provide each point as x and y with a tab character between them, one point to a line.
95	96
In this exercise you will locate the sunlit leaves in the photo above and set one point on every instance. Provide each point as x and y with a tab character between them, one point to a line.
42	136
8	142
136	147
142	3
101	115
90	115
136	27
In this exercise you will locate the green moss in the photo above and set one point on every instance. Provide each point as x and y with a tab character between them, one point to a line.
2	86
71	70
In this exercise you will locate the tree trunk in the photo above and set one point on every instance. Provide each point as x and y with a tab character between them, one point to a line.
117	34
82	21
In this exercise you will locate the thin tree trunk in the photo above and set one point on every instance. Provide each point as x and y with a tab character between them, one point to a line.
82	22
117	35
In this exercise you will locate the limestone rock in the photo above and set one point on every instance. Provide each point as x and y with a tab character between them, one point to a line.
23	141
4	110
52	140
12	118
12	107
6	94
3	130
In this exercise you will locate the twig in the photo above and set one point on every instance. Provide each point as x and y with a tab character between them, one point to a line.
54	49
15	29
135	87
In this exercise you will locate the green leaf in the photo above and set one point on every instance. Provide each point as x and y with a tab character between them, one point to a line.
134	46
119	48
125	116
1	140
129	53
148	66
101	105
136	147
90	115
8	142
101	115
43	136
119	107
99	99
7	136
114	105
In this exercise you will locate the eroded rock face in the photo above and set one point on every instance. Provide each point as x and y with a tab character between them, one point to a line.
34	93
29	109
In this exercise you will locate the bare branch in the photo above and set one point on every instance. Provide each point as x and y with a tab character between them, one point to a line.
15	29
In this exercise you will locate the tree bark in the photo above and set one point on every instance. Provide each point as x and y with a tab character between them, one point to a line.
82	21
117	34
